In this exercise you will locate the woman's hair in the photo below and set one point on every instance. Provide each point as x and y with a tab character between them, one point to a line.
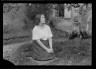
37	18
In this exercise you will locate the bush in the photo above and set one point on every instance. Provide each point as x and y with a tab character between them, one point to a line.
35	9
60	33
7	29
55	31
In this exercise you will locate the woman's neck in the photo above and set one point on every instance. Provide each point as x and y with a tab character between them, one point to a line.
41	25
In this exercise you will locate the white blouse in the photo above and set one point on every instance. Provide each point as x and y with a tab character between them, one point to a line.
43	33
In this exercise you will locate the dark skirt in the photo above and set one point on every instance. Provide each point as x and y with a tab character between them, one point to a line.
39	53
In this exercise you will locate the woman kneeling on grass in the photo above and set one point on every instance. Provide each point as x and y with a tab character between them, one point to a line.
42	40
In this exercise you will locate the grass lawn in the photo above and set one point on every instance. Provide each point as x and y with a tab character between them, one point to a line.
69	52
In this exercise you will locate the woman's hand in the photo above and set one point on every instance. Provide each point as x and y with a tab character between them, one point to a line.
49	50
52	49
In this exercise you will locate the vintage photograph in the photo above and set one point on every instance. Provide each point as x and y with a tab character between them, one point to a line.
47	34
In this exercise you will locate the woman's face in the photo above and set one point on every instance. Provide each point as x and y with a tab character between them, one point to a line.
42	19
